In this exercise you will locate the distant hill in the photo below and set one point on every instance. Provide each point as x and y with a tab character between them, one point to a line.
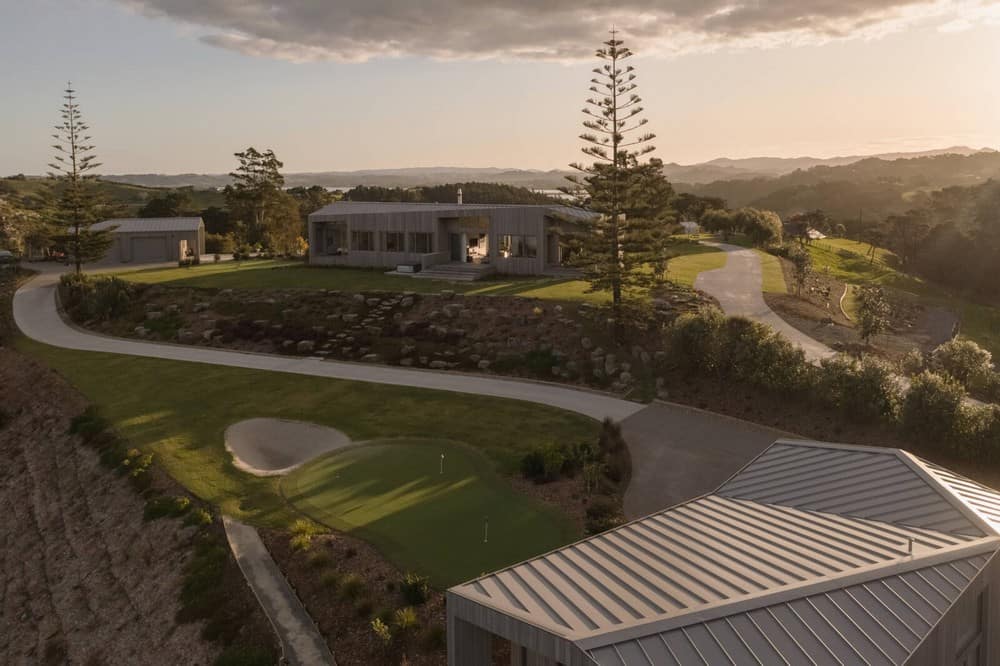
721	169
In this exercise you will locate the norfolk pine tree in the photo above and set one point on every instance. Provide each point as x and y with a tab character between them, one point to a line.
626	246
74	204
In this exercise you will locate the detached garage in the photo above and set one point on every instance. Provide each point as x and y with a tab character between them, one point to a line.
154	240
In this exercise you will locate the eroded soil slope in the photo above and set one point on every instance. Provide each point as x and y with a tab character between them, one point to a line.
83	579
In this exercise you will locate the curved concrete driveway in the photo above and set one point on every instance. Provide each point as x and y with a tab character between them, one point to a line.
36	315
739	288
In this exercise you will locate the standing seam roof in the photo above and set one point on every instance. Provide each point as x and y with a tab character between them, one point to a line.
150	224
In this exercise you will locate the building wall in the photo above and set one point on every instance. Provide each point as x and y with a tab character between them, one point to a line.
940	646
121	247
502	221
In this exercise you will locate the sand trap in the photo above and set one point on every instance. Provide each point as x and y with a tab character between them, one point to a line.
269	447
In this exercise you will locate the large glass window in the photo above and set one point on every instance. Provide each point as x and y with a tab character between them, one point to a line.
421	242
518	246
334	238
393	241
363	241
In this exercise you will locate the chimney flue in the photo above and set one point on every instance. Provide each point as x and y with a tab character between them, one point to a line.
460	196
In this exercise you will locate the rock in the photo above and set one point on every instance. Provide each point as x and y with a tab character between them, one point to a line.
610	367
287	344
407	302
475	358
423	360
558	309
439	365
173	308
406	350
406	362
625	378
141	331
349	318
201	307
305	346
261	323
208	335
483	365
347	351
373	330
372	302
397	316
447	293
333	317
154	315
371	358
660	356
359	298
186	336
453	310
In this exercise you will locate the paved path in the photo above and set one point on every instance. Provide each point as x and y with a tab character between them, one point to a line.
679	453
301	641
36	315
739	288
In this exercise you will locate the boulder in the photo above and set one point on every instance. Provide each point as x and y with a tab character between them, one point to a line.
447	293
201	307
141	331
349	318
483	365
207	335
187	336
372	302
407	302
371	358
439	365
305	346
359	298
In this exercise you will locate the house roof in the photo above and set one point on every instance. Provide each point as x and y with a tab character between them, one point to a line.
128	225
338	208
811	548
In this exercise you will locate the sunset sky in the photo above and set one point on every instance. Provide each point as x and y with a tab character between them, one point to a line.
175	86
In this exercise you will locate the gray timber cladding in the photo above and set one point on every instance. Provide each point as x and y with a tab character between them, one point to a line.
812	554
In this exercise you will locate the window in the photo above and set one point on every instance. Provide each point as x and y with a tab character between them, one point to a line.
421	242
363	241
518	246
334	238
393	241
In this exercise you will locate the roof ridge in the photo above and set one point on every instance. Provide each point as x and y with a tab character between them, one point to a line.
920	467
717	610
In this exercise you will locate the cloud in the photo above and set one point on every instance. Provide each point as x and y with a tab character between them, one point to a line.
553	30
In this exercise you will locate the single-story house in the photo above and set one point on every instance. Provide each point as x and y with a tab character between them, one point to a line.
154	240
813	553
509	239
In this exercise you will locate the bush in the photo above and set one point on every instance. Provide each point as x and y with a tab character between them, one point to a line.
383	634
867	390
198	518
100	298
755	354
406	619
603	513
166	507
300	542
320	560
913	363
964	360
330	580
540	362
932	410
219	244
693	342
351	587
414	589
302	535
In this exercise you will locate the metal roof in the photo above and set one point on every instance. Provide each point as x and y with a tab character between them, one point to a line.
876	622
881	484
129	225
345	208
804	556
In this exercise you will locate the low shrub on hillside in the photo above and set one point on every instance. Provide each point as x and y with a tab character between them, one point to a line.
866	389
414	589
964	360
932	410
102	298
603	513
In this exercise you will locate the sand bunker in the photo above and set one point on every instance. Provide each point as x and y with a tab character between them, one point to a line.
269	447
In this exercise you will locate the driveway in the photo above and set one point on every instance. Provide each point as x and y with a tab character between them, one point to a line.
679	453
739	288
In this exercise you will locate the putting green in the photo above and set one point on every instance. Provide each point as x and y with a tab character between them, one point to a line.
392	493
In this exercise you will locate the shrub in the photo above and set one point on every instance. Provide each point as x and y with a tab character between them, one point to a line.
540	362
932	410
166	507
100	298
384	614
964	360
533	464
603	513
89	424
330	580
755	354
913	363
611	438
351	587
219	243
414	589
867	390
300	542
693	342
383	634
198	518
873	312
406	619
320	560
302	535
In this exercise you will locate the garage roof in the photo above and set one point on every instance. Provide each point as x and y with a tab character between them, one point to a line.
132	225
809	549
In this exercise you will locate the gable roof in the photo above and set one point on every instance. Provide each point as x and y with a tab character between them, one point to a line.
807	545
128	225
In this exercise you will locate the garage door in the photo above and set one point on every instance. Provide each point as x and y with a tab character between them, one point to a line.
149	250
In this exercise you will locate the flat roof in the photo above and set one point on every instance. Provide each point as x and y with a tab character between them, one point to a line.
808	542
394	207
128	225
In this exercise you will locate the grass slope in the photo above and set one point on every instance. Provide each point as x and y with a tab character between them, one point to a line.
393	495
179	411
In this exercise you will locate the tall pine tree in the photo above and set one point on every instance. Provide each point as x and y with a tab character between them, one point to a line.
626	246
74	202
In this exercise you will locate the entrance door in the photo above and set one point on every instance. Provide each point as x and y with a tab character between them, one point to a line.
457	253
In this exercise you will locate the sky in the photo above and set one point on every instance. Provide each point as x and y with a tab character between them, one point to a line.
178	86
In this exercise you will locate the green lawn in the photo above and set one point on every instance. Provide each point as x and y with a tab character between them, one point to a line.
393	495
179	411
773	276
276	274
